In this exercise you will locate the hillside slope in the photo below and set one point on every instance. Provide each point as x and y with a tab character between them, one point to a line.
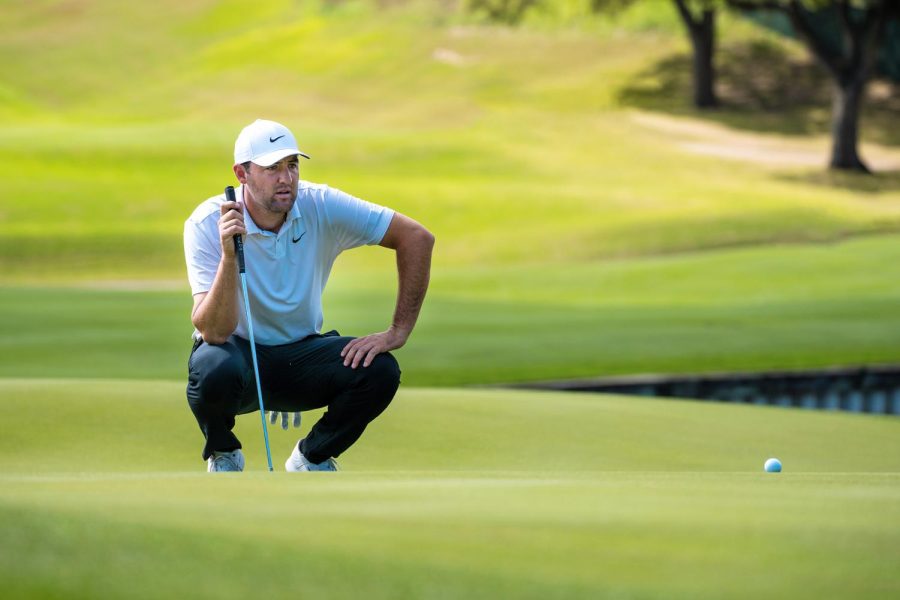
512	145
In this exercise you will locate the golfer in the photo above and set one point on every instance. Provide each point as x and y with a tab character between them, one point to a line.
293	231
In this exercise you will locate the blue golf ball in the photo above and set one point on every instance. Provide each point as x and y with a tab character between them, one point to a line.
773	465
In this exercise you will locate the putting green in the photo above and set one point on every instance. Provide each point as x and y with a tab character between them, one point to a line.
451	493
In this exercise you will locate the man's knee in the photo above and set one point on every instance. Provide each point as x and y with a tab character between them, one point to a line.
218	372
384	374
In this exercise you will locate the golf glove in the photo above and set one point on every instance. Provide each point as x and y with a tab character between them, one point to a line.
273	418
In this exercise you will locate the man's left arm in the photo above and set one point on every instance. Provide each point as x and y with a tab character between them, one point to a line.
413	244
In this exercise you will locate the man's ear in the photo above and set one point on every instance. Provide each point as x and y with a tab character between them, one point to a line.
240	172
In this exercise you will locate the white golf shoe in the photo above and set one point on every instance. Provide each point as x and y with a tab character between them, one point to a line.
225	461
296	463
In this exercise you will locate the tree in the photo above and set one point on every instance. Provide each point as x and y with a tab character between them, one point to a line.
699	18
851	63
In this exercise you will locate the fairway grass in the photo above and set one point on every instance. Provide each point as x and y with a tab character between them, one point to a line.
751	309
450	494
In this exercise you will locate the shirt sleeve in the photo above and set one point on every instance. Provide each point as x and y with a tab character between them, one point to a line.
202	253
354	222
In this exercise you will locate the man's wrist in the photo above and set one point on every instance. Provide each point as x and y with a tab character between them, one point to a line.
401	330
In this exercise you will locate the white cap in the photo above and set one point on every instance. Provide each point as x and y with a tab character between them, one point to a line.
265	143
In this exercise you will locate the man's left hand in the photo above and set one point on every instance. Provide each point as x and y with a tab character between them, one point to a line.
273	418
365	349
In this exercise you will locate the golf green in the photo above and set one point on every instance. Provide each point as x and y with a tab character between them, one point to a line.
451	493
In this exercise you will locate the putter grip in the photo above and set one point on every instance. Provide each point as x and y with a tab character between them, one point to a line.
238	242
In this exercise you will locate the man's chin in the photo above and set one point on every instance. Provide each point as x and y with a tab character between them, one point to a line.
281	204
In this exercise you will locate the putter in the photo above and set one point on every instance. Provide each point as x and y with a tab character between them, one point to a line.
239	248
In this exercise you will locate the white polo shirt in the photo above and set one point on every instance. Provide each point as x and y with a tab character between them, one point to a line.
287	271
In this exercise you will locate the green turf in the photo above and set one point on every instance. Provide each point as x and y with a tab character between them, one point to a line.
750	309
450	494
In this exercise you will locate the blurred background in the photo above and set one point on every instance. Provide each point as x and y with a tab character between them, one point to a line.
617	187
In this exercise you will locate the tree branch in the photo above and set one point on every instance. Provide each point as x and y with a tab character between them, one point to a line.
875	26
795	13
843	12
685	13
750	5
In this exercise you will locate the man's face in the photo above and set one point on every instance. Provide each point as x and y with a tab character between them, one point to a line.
274	188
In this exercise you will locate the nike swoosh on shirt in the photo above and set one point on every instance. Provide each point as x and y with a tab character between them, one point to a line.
298	239
275	139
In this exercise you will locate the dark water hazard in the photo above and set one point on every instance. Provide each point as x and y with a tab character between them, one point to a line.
862	389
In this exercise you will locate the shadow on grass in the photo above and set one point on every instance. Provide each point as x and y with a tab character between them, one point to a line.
764	87
878	182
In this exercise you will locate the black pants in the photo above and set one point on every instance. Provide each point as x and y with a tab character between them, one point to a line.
303	375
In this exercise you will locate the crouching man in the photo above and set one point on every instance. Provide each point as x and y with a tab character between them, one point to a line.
292	231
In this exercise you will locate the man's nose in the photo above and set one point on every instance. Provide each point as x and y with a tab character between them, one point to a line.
284	175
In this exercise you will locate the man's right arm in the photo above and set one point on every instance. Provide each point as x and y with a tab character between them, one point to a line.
215	313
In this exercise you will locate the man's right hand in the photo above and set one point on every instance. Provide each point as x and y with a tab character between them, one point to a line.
231	223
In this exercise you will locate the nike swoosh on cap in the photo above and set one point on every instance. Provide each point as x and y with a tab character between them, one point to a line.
272	140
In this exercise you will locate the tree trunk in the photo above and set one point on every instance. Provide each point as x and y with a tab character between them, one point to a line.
851	70
845	126
703	39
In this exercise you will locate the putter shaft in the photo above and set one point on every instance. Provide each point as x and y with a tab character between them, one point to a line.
239	250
